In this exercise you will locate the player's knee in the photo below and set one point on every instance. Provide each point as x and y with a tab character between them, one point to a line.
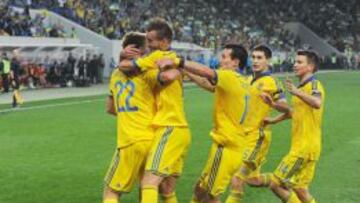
110	193
199	192
254	182
151	179
212	199
303	194
167	186
237	183
274	186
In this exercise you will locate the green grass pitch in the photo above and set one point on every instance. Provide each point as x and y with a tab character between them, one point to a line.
61	153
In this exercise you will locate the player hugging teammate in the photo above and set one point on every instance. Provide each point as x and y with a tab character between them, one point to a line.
146	95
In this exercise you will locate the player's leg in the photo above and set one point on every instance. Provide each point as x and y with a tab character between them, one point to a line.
305	177
168	147
256	158
149	187
304	195
199	193
124	170
167	190
237	186
256	148
167	186
220	168
110	195
285	177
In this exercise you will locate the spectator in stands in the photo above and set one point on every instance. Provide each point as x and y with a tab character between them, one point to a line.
15	83
93	69
40	75
71	63
100	69
54	74
81	66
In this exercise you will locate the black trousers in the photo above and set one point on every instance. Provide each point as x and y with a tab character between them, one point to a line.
5	82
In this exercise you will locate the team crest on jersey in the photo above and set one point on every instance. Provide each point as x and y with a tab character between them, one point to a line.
260	86
284	169
246	154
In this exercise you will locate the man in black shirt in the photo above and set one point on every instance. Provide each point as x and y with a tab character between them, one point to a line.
15	84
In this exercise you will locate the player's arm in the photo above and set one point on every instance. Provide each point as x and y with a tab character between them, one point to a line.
315	100
200	70
276	119
130	52
201	81
110	108
280	104
127	59
127	66
190	66
167	76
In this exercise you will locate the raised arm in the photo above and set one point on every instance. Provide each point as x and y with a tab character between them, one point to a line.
168	76
127	57
315	101
127	66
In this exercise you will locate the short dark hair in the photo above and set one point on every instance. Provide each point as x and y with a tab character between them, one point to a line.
238	52
263	48
136	38
162	28
311	56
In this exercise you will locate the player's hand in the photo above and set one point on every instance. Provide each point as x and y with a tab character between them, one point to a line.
291	87
13	83
165	63
130	52
266	97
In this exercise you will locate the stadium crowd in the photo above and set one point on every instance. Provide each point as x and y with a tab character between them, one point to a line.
212	23
207	23
15	22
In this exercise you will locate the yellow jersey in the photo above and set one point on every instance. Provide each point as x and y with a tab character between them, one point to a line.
169	97
134	103
258	109
306	122
149	61
231	108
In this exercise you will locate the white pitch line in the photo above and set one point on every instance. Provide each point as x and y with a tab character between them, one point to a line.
60	104
49	105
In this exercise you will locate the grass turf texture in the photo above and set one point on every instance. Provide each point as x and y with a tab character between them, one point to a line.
61	154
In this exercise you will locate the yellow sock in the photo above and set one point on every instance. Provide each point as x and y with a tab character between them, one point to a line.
194	200
170	198
293	198
110	201
149	194
234	197
266	177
